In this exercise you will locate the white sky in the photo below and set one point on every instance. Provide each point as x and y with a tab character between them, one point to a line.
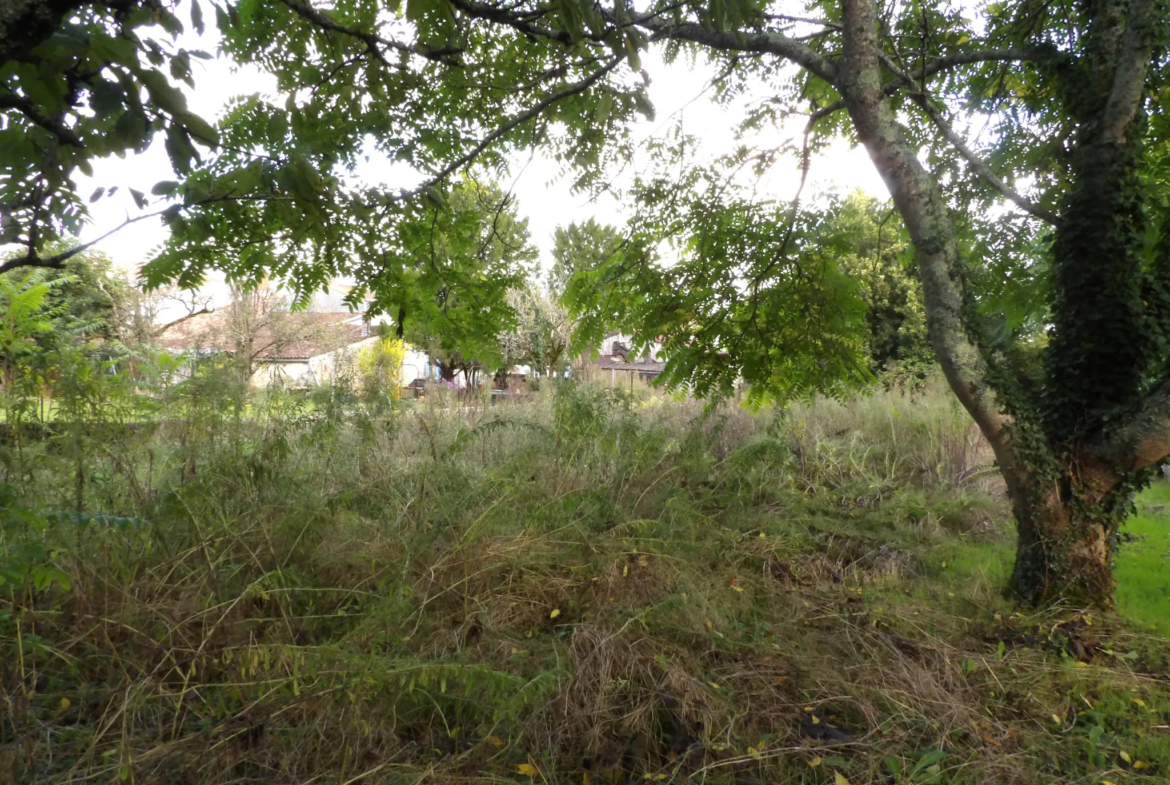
544	200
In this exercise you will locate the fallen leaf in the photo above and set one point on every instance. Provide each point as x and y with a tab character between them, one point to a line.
714	685
737	588
555	613
839	779
528	770
495	741
1056	718
64	707
812	764
1125	757
1138	765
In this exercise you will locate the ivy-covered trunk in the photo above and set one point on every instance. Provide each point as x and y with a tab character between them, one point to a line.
1068	532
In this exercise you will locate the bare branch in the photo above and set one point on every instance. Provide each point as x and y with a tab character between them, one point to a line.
204	310
766	42
57	261
980	167
1129	79
372	40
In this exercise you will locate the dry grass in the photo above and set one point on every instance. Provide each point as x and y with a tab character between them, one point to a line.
600	587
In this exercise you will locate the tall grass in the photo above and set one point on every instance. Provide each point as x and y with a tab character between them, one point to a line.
598	584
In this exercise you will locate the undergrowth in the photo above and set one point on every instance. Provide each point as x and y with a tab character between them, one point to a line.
596	586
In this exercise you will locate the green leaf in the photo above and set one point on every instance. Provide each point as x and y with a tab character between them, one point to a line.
164	188
197	16
199	128
162	92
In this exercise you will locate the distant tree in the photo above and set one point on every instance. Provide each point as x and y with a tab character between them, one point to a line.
577	247
90	295
873	249
469	257
543	333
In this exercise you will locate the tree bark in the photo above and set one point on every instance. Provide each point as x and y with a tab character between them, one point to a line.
923	209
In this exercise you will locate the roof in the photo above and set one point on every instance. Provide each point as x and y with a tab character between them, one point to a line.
642	366
285	337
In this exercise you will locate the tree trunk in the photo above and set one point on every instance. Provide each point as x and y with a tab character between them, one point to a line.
1067	533
1071	477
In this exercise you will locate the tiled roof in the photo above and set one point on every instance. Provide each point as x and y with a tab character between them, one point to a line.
287	336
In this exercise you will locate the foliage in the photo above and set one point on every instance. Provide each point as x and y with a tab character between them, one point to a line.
1073	92
380	368
457	306
580	247
741	294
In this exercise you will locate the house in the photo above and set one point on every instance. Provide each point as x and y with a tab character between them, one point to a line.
299	349
615	362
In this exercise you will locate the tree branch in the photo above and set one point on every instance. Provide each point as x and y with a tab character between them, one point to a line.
940	64
64	133
1129	78
1144	438
767	42
57	261
204	310
371	40
980	166
514	123
927	217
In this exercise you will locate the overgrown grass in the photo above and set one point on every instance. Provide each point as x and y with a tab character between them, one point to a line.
596	586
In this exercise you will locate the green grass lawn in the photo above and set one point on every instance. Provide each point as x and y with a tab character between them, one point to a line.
1143	563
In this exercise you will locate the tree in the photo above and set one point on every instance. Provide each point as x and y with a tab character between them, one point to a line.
872	248
471	256
1071	88
580	247
543	334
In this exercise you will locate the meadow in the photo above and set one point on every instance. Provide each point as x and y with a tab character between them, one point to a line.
593	586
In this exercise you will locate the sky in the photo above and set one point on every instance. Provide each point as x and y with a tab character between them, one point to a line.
546	201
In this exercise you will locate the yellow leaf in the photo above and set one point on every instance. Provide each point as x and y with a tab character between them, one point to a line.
625	570
643	561
816	720
1082	664
1108	782
528	770
839	779
495	741
737	588
64	707
812	764
1125	757
1140	702
1138	765
1056	718
944	565
714	685
753	752
555	613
